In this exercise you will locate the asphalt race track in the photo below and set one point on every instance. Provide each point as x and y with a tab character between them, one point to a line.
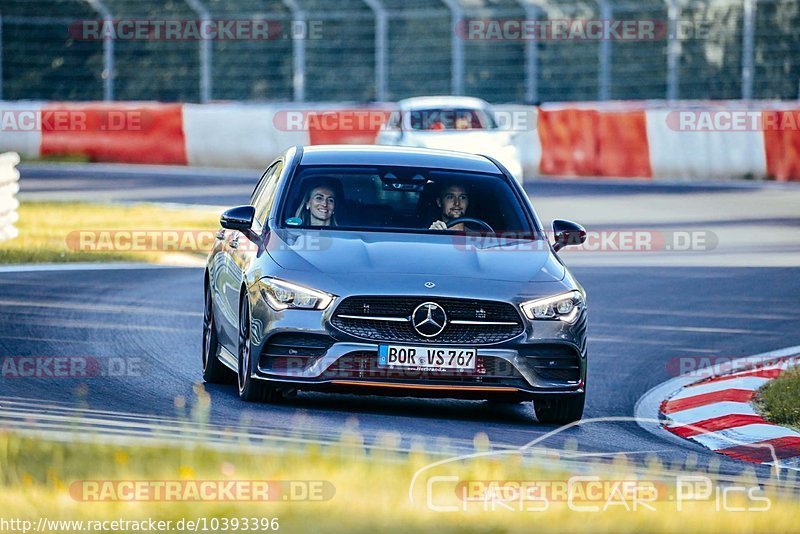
142	325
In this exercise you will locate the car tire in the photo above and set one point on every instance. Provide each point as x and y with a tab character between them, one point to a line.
560	411
250	389
214	371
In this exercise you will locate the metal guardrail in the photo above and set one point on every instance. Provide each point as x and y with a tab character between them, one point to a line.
9	186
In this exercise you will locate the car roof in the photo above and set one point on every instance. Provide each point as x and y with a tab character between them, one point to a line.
425	102
396	156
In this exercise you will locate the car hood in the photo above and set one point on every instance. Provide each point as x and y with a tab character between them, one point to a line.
345	254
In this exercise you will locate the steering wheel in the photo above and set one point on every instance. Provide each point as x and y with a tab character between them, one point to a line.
467	220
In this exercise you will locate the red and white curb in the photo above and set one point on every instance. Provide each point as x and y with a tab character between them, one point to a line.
713	408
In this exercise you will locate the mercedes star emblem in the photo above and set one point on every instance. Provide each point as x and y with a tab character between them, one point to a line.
429	319
430	285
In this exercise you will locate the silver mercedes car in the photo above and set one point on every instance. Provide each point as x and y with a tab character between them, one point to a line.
399	271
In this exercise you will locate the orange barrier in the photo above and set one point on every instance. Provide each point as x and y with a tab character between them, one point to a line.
623	149
115	132
568	142
592	142
782	144
345	127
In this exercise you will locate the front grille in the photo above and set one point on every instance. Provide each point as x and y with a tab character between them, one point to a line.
292	351
376	328
560	363
364	365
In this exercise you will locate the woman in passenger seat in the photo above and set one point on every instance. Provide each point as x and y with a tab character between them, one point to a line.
319	205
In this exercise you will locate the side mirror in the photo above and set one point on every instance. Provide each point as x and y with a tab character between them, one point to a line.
566	233
238	218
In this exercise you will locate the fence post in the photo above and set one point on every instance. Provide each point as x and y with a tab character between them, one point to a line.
298	52
457	45
205	50
748	47
531	56
108	50
9	186
381	30
604	59
673	48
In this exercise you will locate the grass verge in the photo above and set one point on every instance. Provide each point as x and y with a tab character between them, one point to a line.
779	399
60	158
53	232
364	492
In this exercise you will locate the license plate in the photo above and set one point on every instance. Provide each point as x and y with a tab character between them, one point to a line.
406	356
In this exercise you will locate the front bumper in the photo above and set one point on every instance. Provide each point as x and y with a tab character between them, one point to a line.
300	349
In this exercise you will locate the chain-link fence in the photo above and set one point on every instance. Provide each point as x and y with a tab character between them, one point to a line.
368	50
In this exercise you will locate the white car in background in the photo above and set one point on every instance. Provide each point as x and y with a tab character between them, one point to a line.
459	123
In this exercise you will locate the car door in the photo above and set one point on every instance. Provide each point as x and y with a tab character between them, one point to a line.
241	250
220	280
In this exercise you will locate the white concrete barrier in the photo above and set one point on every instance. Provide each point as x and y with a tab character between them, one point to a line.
235	135
20	130
678	153
9	186
525	136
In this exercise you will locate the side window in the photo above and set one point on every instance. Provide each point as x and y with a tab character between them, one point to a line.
261	183
264	196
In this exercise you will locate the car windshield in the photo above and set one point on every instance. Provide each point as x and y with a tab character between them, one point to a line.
402	199
448	119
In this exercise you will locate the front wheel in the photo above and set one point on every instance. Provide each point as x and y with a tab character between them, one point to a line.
214	372
250	389
560	410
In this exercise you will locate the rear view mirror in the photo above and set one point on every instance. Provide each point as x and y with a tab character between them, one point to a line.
566	233
392	182
238	218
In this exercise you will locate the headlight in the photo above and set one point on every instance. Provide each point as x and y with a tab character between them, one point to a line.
565	307
281	295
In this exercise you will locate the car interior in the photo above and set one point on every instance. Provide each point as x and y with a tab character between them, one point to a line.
405	199
448	119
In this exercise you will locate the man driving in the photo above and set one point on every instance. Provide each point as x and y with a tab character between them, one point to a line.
453	201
